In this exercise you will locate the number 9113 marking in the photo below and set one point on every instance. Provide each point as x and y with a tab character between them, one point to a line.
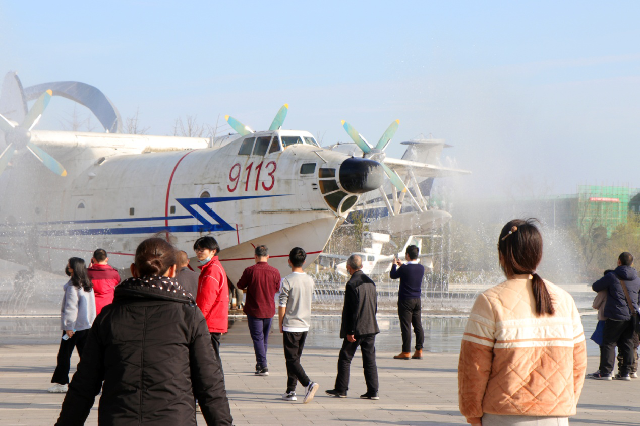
235	175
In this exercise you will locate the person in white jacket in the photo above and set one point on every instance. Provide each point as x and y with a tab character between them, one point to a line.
77	315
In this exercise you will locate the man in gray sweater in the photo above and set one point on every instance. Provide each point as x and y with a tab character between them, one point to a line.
294	316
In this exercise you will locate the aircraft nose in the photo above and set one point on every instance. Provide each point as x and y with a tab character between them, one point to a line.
360	175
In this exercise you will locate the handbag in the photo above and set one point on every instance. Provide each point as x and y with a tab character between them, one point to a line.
598	334
634	314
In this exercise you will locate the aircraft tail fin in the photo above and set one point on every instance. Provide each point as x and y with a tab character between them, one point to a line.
413	240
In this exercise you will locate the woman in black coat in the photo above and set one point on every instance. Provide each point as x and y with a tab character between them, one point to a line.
152	349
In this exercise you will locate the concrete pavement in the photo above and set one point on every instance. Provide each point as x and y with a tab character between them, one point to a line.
415	392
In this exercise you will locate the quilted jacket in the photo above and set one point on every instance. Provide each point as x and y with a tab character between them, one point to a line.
513	362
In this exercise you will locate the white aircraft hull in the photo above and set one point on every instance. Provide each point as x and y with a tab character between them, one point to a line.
115	203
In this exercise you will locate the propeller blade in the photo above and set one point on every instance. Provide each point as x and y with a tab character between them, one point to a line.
6	125
47	160
34	114
387	135
394	178
5	157
238	126
356	137
279	118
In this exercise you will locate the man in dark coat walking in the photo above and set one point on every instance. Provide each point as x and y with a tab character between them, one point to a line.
623	288
186	277
359	328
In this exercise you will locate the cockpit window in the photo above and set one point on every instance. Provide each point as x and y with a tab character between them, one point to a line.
262	144
291	140
275	145
247	146
311	141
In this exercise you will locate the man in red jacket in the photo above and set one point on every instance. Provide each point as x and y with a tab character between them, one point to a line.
262	282
213	292
104	278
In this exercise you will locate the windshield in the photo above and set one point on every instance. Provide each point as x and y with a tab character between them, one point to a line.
311	141
291	140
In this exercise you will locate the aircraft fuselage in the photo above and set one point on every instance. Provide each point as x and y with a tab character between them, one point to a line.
263	188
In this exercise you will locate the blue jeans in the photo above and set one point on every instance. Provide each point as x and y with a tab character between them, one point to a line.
259	329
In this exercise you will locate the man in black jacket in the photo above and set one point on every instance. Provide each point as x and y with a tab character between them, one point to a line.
359	328
619	326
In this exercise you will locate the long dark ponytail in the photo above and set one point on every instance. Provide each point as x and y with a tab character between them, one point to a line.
80	277
520	247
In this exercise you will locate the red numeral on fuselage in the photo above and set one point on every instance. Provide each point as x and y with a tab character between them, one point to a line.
236	172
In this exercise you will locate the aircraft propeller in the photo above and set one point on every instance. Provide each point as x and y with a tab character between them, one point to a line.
377	153
245	130
18	137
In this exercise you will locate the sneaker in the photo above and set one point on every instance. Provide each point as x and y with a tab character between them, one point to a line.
264	371
633	375
311	391
591	375
337	394
370	395
289	396
58	388
622	377
599	376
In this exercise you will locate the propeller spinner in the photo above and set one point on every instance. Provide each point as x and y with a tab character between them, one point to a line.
377	153
18	137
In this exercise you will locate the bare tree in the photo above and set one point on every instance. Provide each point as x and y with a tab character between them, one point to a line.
321	136
132	125
191	128
77	123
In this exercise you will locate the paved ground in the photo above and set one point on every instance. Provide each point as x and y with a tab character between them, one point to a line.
411	392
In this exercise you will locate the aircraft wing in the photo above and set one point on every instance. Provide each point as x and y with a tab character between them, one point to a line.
422	169
333	256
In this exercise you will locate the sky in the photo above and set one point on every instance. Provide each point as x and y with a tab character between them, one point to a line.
534	96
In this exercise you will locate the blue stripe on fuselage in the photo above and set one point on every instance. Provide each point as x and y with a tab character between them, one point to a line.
205	224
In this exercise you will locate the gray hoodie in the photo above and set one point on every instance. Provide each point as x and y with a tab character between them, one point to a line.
78	308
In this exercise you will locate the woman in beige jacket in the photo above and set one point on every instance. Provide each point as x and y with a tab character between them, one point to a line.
523	355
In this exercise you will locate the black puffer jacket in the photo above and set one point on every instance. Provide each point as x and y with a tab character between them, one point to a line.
617	307
153	350
360	307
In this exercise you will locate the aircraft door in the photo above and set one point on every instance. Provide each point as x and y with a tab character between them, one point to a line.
307	183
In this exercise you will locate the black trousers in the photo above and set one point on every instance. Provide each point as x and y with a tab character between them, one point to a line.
634	367
618	333
63	364
215	342
293	343
410	312
348	350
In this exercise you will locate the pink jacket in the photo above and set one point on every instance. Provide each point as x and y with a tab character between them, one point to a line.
105	279
513	362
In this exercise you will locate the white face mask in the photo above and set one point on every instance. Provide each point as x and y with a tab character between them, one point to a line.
205	261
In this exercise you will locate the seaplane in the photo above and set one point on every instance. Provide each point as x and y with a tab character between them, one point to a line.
66	193
373	261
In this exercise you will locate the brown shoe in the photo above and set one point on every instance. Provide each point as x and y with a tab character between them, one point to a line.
403	355
417	354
